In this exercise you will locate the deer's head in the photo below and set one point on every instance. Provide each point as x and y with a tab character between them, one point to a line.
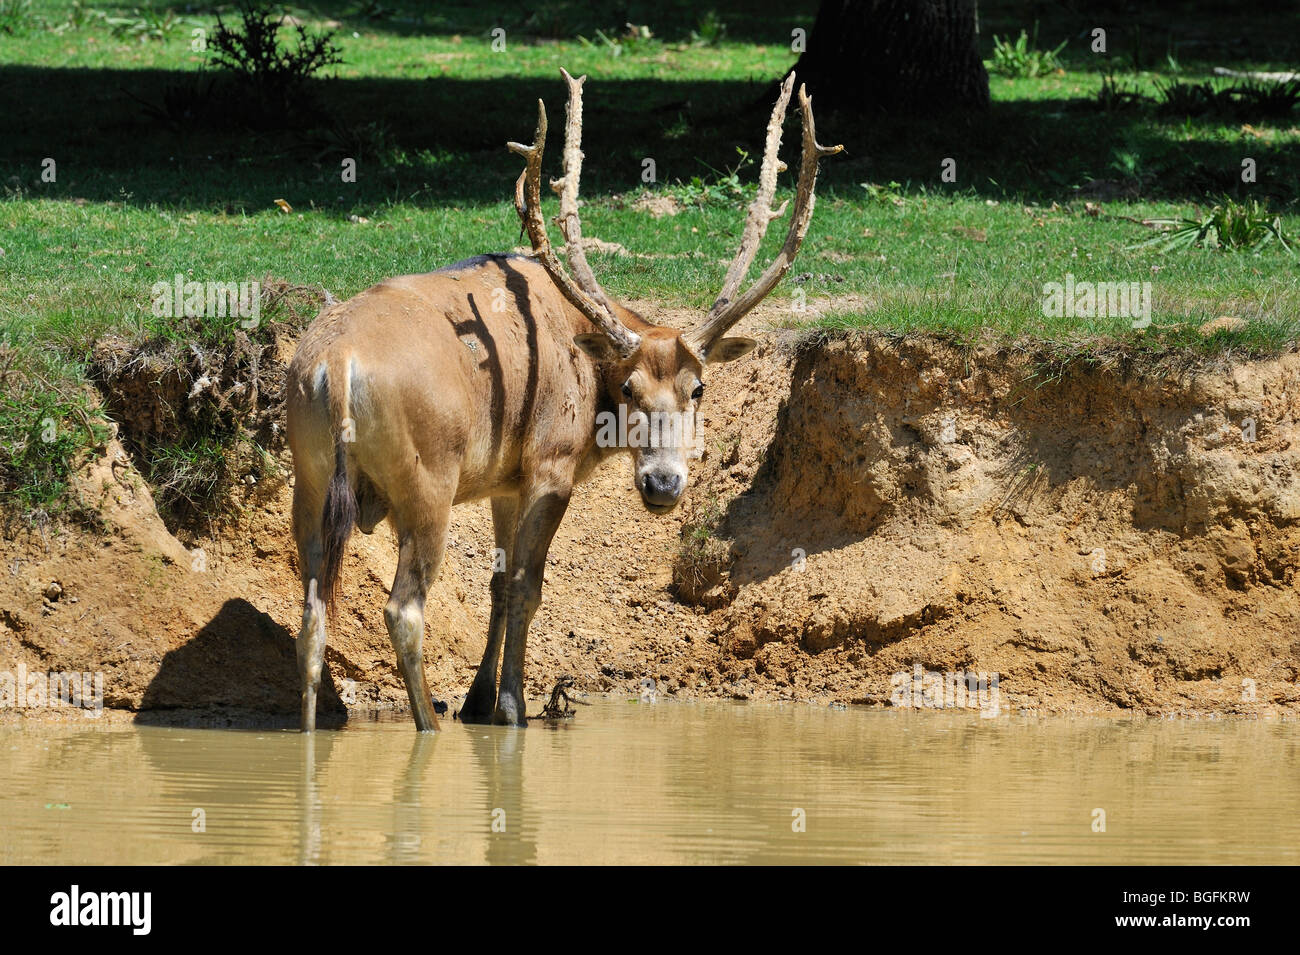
654	373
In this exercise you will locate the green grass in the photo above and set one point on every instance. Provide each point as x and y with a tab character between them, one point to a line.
1021	58
47	425
152	182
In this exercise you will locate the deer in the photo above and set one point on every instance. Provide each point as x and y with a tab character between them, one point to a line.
486	379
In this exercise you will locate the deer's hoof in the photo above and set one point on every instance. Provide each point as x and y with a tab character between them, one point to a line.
478	708
509	712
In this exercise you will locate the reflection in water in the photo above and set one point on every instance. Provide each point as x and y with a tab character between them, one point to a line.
309	839
406	836
499	757
674	782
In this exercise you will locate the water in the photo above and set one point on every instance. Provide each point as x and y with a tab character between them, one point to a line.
665	783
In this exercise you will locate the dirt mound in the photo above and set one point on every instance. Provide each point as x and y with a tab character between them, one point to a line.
1105	538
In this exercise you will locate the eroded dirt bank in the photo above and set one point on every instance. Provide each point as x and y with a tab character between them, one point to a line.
1105	538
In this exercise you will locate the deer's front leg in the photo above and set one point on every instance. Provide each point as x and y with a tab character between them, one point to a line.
541	513
481	701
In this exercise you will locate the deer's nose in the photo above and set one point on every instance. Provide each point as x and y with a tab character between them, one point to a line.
662	489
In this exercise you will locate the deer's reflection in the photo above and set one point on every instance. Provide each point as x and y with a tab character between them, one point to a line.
411	818
512	835
491	813
405	839
315	753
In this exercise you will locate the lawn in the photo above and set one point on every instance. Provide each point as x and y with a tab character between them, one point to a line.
152	178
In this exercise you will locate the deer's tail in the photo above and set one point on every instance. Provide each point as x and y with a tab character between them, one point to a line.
340	511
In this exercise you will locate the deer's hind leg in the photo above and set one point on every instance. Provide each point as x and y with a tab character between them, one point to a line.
311	637
421	528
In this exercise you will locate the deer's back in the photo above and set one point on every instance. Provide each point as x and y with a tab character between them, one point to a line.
472	364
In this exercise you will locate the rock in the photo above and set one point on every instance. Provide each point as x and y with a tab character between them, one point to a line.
1235	553
1228	323
742	643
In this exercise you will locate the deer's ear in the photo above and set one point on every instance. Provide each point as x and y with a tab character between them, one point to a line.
729	349
597	345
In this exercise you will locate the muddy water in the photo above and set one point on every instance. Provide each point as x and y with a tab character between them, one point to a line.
663	783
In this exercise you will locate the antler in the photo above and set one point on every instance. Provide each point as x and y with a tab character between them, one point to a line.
585	295
726	310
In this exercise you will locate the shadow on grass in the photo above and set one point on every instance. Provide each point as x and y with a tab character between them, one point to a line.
441	141
673	21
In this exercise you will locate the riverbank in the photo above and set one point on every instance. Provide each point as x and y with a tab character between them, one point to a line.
1106	533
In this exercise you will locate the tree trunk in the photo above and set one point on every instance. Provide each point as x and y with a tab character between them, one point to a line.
912	57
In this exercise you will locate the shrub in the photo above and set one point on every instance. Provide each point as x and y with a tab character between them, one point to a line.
1230	225
276	76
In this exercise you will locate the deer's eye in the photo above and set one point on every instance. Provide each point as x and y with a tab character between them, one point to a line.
698	393
627	391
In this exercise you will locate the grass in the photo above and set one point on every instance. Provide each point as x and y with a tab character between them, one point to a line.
47	427
701	554
156	176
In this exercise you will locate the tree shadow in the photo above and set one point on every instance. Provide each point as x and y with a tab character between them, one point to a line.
239	670
440	142
672	20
